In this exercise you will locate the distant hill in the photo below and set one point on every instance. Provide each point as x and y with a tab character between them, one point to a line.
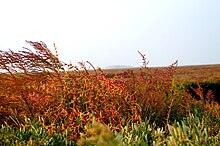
118	66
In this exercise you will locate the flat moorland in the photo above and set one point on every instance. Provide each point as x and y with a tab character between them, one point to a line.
209	72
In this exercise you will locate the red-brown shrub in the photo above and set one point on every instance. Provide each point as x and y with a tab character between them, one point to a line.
36	83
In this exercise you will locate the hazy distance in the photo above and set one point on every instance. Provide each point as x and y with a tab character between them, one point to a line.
112	32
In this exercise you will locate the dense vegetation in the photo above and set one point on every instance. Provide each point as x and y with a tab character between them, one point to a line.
47	102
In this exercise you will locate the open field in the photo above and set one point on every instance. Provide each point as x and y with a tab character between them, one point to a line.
184	73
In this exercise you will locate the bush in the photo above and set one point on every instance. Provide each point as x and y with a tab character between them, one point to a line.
35	82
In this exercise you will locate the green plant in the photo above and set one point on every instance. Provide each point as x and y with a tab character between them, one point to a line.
97	134
194	130
31	133
141	134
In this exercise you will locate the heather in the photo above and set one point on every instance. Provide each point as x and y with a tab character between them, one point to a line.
45	101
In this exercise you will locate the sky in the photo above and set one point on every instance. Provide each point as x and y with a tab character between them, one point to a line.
111	32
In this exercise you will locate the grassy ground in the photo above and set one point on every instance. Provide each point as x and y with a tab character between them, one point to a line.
183	73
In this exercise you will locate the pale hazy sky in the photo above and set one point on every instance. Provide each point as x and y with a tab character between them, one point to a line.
111	32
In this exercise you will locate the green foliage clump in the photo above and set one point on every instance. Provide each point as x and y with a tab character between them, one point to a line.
97	134
193	130
32	133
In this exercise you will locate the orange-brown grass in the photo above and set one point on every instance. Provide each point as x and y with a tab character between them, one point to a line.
183	73
198	73
34	82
